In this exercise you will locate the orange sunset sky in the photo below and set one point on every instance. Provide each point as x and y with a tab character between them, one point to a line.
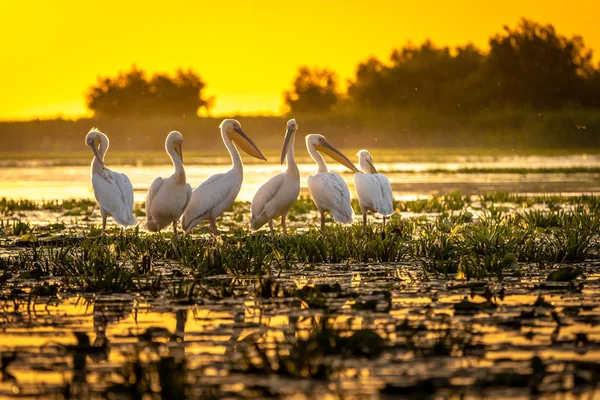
246	51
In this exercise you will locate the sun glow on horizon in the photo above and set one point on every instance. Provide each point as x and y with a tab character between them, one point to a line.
247	54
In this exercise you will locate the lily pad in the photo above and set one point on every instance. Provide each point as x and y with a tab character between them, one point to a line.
28	238
565	274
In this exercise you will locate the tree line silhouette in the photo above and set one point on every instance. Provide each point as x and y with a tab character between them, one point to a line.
530	66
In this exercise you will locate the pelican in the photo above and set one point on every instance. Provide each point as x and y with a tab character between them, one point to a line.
113	190
275	197
373	189
328	189
167	198
217	193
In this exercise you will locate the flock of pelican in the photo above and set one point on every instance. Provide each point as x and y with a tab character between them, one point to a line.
172	199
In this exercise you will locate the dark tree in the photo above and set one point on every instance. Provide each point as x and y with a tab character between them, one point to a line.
370	88
529	66
533	65
132	94
425	76
315	90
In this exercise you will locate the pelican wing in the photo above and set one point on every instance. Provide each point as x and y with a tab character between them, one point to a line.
154	188
368	191
387	198
188	194
263	196
151	224
126	189
111	198
330	193
210	194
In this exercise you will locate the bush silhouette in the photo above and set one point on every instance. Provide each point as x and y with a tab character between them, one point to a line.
315	91
533	65
132	94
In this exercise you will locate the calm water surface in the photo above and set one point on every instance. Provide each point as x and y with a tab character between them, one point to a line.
409	177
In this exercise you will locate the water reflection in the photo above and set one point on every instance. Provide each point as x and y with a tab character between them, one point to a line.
372	335
409	178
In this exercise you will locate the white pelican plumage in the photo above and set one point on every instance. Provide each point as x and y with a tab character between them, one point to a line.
328	189
217	193
373	189
275	197
113	190
167	198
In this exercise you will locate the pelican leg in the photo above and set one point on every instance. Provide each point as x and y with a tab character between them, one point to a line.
175	228
271	227
364	213
104	224
283	227
322	220
384	218
213	227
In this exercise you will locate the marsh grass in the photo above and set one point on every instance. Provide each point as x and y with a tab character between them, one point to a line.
454	242
434	204
15	227
97	271
70	206
291	312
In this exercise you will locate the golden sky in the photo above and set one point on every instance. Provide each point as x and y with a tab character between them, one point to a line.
246	51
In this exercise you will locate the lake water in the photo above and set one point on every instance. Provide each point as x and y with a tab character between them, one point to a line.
411	176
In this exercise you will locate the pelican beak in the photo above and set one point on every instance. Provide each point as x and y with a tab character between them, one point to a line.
246	144
336	155
179	151
96	149
286	142
373	169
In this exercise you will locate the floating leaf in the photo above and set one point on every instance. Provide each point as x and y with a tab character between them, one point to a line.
28	238
509	261
565	274
57	227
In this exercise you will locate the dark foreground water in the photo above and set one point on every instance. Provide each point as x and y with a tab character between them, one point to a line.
351	331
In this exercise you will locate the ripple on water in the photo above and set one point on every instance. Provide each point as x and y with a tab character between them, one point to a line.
425	341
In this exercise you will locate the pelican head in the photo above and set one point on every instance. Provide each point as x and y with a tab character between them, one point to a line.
98	142
174	141
319	143
234	132
292	126
366	162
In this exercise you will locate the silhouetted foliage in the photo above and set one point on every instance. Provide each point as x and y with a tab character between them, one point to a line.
530	66
424	76
315	90
132	94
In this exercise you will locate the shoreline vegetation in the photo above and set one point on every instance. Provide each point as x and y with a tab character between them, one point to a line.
442	233
511	130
